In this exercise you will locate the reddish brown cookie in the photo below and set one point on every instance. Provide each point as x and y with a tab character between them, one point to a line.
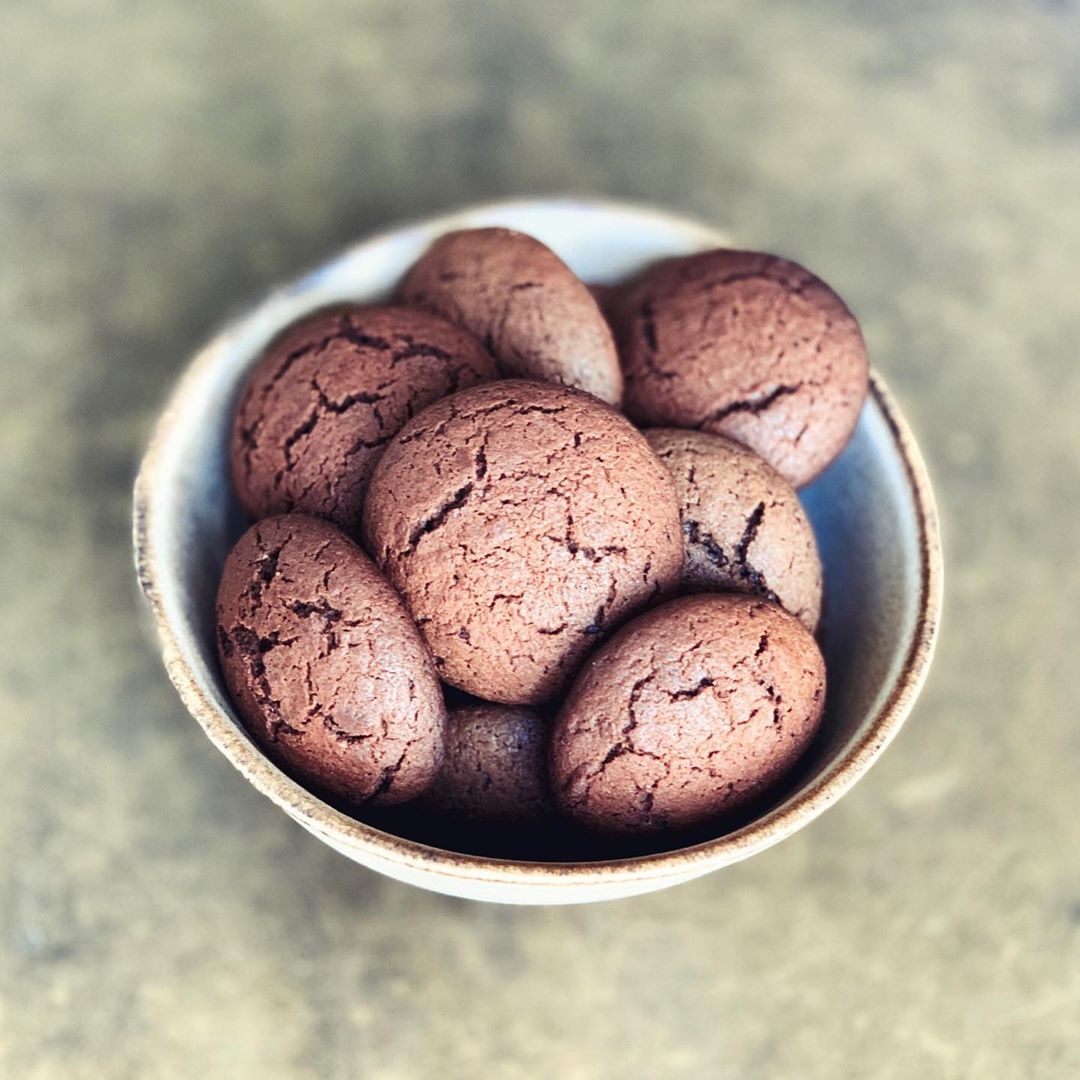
524	302
324	665
520	520
692	709
746	345
327	396
742	522
495	769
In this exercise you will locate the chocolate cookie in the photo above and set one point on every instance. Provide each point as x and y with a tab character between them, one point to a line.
324	665
520	521
746	345
327	396
495	769
524	302
742	522
692	709
606	296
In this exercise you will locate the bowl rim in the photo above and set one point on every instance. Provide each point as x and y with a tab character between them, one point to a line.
353	836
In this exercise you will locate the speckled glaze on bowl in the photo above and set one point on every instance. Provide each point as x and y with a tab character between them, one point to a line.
873	513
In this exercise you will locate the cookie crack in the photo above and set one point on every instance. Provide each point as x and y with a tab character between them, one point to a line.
323	608
699	537
544	410
330	615
624	744
346	331
518	408
631	705
702	685
329	405
455	502
389	773
752	405
367	444
480	462
292	357
435	520
738	563
600	618
267	571
304	429
252	648
651	337
356	336
648	326
753	523
346	738
420	348
748	275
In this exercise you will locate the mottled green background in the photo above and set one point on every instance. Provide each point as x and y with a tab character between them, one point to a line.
162	163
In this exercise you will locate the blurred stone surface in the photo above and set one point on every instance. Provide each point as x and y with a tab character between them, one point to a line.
162	164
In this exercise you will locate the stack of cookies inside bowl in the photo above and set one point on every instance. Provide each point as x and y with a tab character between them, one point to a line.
528	570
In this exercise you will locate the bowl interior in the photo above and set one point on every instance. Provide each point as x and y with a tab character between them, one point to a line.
864	509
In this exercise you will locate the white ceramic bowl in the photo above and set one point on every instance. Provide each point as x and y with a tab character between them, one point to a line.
873	513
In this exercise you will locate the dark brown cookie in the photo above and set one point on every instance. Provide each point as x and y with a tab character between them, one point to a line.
324	665
524	302
742	522
520	520
606	296
692	709
327	396
746	345
495	769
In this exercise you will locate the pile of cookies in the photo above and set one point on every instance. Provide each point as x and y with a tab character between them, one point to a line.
568	511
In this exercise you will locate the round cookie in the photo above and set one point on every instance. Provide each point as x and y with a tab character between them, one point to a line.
324	665
330	392
521	520
524	302
742	522
746	345
495	768
692	709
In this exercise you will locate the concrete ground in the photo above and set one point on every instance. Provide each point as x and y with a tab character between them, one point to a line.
160	164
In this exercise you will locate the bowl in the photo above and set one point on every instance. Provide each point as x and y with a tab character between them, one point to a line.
872	511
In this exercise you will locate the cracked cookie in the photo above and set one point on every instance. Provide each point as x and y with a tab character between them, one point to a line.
495	769
746	345
328	395
742	522
691	710
524	303
324	665
520	521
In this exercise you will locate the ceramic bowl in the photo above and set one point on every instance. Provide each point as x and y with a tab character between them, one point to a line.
873	513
